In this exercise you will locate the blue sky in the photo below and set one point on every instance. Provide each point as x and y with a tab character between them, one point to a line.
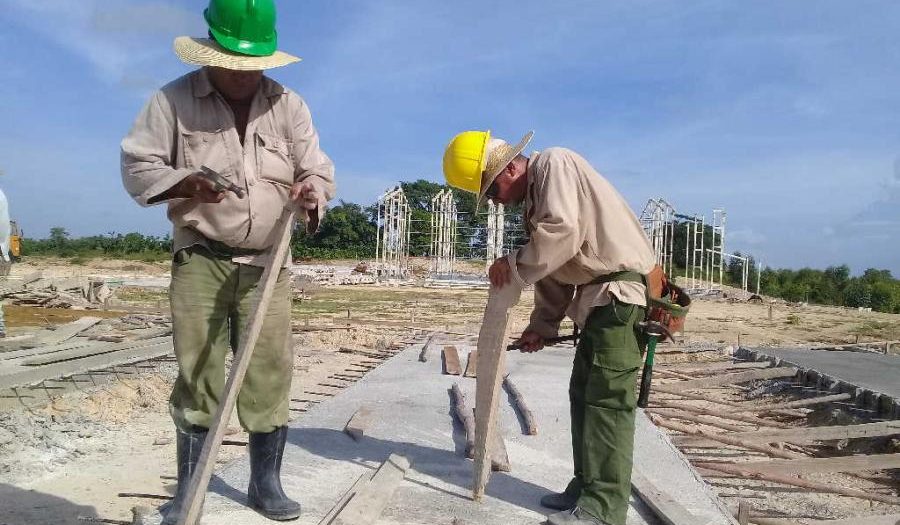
787	114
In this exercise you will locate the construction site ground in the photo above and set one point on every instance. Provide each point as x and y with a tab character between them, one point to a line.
96	451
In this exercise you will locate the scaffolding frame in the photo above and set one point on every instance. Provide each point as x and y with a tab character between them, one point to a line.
444	231
392	236
658	221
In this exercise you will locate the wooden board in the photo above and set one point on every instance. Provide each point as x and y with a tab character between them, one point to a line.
890	519
724	414
451	361
727	379
662	503
33	376
796	404
491	363
472	364
359	423
95	348
365	506
800	436
810	465
279	240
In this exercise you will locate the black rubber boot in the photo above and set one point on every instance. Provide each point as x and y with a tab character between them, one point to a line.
559	501
265	493
187	450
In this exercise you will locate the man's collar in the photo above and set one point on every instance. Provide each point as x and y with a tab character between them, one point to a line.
202	87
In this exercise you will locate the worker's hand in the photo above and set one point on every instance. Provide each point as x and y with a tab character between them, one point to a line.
530	342
305	195
197	187
500	273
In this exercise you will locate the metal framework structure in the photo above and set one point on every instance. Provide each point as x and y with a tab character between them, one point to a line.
717	252
496	227
658	221
745	270
392	248
444	219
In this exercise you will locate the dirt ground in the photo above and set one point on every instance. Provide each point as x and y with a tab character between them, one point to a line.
101	451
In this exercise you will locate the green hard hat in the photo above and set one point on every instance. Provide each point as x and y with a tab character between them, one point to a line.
243	26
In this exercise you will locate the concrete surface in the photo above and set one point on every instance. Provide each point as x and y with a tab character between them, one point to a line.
864	369
411	403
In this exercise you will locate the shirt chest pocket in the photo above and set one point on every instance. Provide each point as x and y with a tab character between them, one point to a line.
274	159
204	148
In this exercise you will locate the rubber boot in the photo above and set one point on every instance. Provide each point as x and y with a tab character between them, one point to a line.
187	450
559	501
265	493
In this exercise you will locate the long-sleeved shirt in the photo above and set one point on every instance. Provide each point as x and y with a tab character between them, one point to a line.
580	229
188	124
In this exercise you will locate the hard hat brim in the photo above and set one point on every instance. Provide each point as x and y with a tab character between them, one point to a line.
208	52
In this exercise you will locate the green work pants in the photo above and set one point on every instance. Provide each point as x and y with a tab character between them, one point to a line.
211	300
603	400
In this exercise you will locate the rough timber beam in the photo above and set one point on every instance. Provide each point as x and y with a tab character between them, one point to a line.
491	358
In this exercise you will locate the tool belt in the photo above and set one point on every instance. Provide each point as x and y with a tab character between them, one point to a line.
220	249
667	303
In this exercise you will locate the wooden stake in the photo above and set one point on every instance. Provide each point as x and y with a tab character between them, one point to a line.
811	465
521	407
281	237
743	515
727	379
462	413
472	364
491	357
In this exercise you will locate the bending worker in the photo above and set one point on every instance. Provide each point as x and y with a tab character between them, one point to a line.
259	136
585	256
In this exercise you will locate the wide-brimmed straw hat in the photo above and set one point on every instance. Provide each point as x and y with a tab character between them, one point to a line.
207	52
499	155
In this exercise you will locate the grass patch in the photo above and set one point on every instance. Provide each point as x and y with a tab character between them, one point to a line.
884	330
792	319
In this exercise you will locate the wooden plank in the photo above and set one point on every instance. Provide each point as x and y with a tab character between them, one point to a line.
342	502
797	404
727	439
366	505
666	507
33	376
499	457
92	348
673	413
451	361
811	465
715	366
465	417
711	399
805	435
831	488
743	514
521	407
280	240
491	363
65	332
472	364
724	414
359	423
891	519
727	379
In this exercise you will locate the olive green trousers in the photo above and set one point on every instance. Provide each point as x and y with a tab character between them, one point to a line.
211	300
603	400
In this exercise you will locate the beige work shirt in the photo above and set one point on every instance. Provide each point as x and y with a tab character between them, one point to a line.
580	228
188	124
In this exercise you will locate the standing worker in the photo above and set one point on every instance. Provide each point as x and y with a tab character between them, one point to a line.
229	118
586	257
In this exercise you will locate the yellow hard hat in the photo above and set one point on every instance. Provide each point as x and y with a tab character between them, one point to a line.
464	160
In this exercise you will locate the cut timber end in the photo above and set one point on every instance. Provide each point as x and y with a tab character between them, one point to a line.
359	423
491	354
451	361
472	364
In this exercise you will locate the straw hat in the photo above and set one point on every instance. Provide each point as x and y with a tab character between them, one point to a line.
207	52
499	155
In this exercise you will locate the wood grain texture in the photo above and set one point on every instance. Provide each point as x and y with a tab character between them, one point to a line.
451	361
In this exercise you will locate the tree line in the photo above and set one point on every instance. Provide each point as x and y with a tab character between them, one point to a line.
349	231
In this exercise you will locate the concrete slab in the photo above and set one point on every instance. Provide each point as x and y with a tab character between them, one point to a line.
875	372
412	417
